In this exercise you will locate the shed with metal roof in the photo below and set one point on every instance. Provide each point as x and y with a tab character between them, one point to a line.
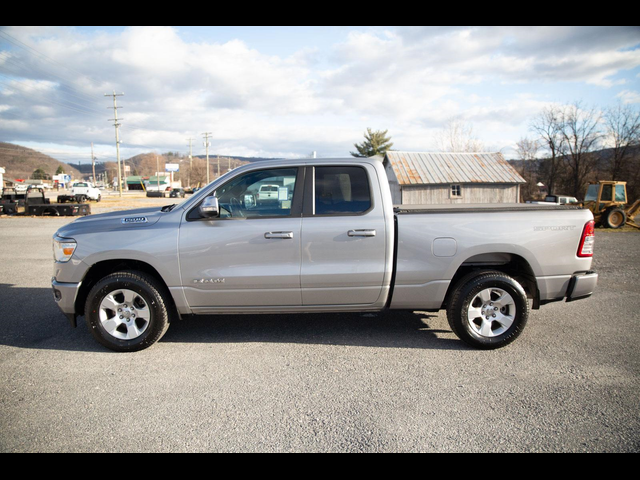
418	178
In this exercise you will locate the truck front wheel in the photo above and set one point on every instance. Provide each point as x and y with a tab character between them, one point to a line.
488	310
125	311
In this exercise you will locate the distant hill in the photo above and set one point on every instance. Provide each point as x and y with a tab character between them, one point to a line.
146	164
236	157
20	162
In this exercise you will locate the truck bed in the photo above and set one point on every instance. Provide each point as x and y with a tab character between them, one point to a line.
437	242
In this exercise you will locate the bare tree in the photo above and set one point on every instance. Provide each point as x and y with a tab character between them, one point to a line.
622	129
199	172
527	150
548	125
458	136
580	129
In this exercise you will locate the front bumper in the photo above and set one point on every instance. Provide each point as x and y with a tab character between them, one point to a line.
65	295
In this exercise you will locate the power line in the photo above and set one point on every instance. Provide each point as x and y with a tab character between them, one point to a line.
14	79
44	65
19	66
32	51
32	94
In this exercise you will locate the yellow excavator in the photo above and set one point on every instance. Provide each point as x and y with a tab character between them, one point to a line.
607	201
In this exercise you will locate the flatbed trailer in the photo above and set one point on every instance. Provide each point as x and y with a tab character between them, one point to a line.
58	210
35	203
11	201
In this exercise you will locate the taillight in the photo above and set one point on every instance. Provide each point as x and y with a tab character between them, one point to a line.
588	240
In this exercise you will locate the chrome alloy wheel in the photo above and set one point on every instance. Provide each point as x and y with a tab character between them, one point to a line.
491	312
124	314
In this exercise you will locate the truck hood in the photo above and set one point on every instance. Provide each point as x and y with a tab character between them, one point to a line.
113	221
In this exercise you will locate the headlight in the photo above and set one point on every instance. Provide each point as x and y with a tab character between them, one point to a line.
63	249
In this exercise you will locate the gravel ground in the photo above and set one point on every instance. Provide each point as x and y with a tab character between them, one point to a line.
393	382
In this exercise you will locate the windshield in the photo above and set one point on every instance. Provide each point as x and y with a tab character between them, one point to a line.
592	194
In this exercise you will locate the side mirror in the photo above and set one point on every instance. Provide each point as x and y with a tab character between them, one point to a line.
209	208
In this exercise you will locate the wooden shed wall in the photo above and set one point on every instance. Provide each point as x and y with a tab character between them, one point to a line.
441	194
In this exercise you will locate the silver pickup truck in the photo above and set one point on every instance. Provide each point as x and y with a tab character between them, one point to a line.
331	242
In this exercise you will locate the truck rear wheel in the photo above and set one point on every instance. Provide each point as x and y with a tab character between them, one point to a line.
488	310
126	312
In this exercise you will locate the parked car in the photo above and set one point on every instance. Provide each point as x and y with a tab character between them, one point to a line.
85	190
557	200
338	245
267	193
177	193
155	187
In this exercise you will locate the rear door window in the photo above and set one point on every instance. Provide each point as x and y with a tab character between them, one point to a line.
341	191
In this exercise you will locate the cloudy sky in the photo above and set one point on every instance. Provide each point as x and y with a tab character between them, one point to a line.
289	91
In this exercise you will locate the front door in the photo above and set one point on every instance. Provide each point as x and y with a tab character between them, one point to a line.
250	255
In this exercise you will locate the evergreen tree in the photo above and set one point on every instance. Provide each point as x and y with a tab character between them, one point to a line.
376	143
39	174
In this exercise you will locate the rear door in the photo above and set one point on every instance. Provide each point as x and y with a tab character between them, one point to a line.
344	238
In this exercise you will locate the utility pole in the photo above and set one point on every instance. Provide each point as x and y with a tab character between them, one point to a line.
93	164
117	125
206	144
190	162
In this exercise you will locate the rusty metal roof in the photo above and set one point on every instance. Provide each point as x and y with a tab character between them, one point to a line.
443	168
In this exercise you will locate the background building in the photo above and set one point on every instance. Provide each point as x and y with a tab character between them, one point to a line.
441	178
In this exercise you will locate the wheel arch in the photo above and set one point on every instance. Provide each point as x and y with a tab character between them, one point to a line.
101	269
510	264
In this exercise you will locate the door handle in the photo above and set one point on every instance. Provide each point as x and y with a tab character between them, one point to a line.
283	235
362	233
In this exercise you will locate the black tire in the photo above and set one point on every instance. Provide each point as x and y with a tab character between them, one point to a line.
141	320
488	323
615	218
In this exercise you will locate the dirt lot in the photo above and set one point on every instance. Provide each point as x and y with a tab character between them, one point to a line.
318	383
112	201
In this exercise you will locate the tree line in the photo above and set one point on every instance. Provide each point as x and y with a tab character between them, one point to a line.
574	145
571	145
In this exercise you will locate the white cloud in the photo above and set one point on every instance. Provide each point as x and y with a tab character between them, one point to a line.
628	96
409	80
